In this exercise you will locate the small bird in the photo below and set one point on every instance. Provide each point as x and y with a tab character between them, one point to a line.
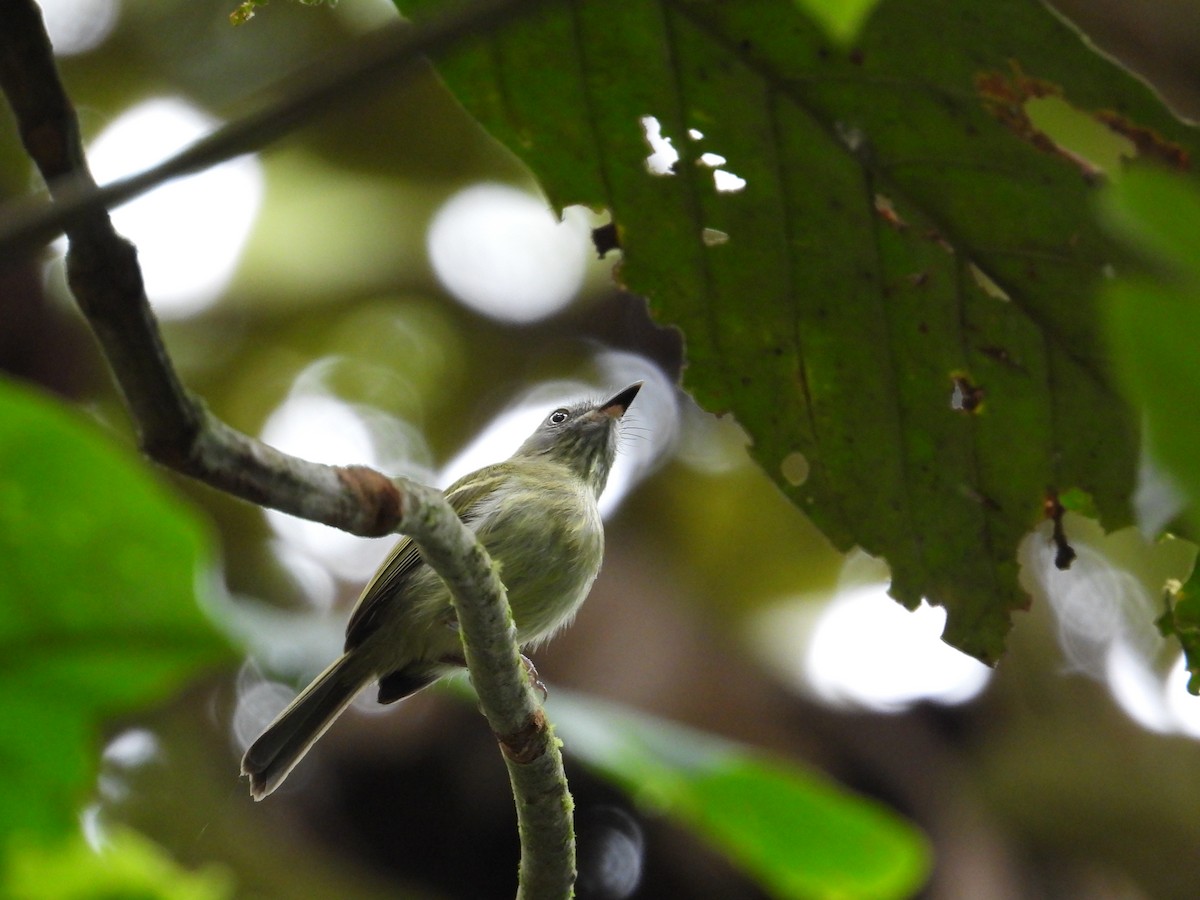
535	514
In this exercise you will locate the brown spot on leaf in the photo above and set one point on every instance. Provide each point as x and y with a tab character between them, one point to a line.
982	499
886	210
1004	97
1147	141
1009	91
966	396
1000	355
932	234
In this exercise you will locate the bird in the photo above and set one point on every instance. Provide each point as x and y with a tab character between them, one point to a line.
536	515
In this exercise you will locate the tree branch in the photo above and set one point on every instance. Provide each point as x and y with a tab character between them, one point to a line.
531	751
176	429
371	62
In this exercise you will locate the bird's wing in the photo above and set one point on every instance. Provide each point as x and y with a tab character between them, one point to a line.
389	581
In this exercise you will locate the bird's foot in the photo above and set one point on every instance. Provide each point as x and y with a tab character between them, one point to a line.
534	681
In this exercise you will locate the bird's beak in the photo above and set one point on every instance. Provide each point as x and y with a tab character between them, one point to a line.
615	408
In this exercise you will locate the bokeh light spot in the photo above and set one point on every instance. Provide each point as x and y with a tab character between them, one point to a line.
612	851
867	650
327	430
132	748
77	26
1184	707
864	650
500	251
189	232
1105	605
1136	688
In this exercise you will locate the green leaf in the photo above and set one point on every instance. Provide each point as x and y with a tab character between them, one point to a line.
98	612
799	835
1154	317
1182	621
1156	211
903	293
841	19
1154	326
129	866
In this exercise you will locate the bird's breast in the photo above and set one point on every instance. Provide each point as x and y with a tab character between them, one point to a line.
548	539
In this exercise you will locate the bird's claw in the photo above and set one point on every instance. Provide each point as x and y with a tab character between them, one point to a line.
534	681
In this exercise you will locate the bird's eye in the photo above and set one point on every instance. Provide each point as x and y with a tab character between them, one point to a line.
558	416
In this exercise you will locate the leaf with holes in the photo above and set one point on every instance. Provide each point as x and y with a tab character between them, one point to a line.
882	263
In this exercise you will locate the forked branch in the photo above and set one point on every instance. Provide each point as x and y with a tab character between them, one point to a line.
177	430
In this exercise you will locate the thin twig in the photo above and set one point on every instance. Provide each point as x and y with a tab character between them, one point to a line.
176	429
371	62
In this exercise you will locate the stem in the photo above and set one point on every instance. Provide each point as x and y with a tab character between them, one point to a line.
369	63
176	429
531	751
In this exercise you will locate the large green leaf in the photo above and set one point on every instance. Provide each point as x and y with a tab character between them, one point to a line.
1154	319
1154	326
130	868
899	305
796	833
98	612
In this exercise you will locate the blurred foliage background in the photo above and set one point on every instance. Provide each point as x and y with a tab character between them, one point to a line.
339	335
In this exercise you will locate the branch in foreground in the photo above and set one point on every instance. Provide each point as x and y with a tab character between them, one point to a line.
176	430
369	63
531	751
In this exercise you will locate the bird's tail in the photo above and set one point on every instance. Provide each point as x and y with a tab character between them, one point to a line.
296	729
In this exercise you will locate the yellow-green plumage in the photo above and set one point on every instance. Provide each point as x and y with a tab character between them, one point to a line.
534	513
